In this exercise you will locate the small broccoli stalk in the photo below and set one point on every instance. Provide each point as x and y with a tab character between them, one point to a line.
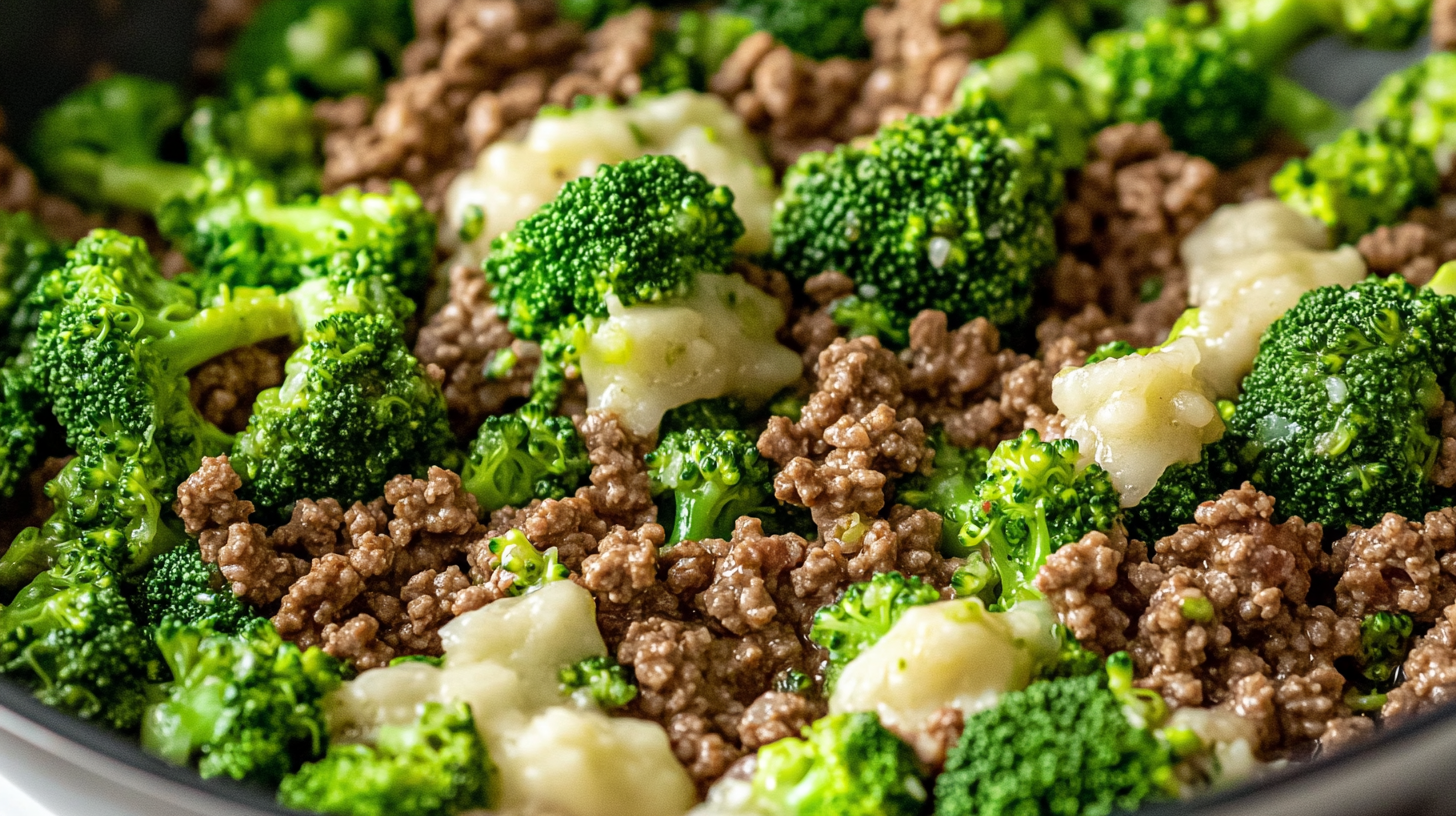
274	132
248	706
862	317
1340	417
182	587
1033	500
844	764
907	216
321	47
354	410
950	489
820	30
1417	106
1385	639
70	637
1360	181
1304	114
705	480
863	614
435	766
719	414
1273	30
600	681
691	49
523	456
529	568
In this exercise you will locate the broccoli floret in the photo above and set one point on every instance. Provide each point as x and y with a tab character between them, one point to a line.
705	480
640	231
27	253
600	680
274	132
1274	29
1178	492
1340	416
529	567
691	50
1418	104
436	766
951	213
1385	639
355	409
862	615
867	317
845	765
1360	181
949	490
22	426
818	30
248	706
1111	351
102	144
181	586
1065	745
1205	89
1033	500
322	47
71	638
523	456
1032	93
718	414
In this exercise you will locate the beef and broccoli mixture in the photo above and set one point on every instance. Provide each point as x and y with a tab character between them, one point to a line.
767	408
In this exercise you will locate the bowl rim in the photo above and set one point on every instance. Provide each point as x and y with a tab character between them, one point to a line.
89	736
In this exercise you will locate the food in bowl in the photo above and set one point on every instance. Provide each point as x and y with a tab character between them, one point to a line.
764	408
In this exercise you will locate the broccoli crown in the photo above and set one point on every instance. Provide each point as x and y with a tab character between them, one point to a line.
845	765
235	232
1033	94
820	30
705	480
868	317
274	133
27	253
1058	746
1178	492
523	456
248	706
530	568
717	414
102	144
181	586
22	426
601	680
1203	87
436	766
355	409
950	489
1417	104
951	213
1360	181
689	52
1033	500
71	638
321	47
863	614
1339	417
639	231
1274	29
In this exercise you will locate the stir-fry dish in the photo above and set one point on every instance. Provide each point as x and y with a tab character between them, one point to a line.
767	408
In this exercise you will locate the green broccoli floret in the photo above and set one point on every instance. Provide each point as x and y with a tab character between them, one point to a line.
322	47
1360	181
70	637
436	766
951	213
690	51
1340	416
27	253
1178	492
845	765
863	614
949	490
867	317
1418	105
705	480
600	680
355	409
1065	746
1033	500
818	30
1385	639
275	132
530	568
1111	351
103	144
1205	89
718	414
181	586
248	706
523	456
22	426
1273	30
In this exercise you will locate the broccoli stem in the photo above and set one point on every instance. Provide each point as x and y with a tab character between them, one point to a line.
143	187
248	316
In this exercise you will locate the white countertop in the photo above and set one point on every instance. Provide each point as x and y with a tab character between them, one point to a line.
17	803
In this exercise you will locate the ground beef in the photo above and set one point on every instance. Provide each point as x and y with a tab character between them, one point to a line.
463	339
776	715
620	491
20	192
1416	248
1398	566
1087	586
1443	24
1127	212
223	389
1430	673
